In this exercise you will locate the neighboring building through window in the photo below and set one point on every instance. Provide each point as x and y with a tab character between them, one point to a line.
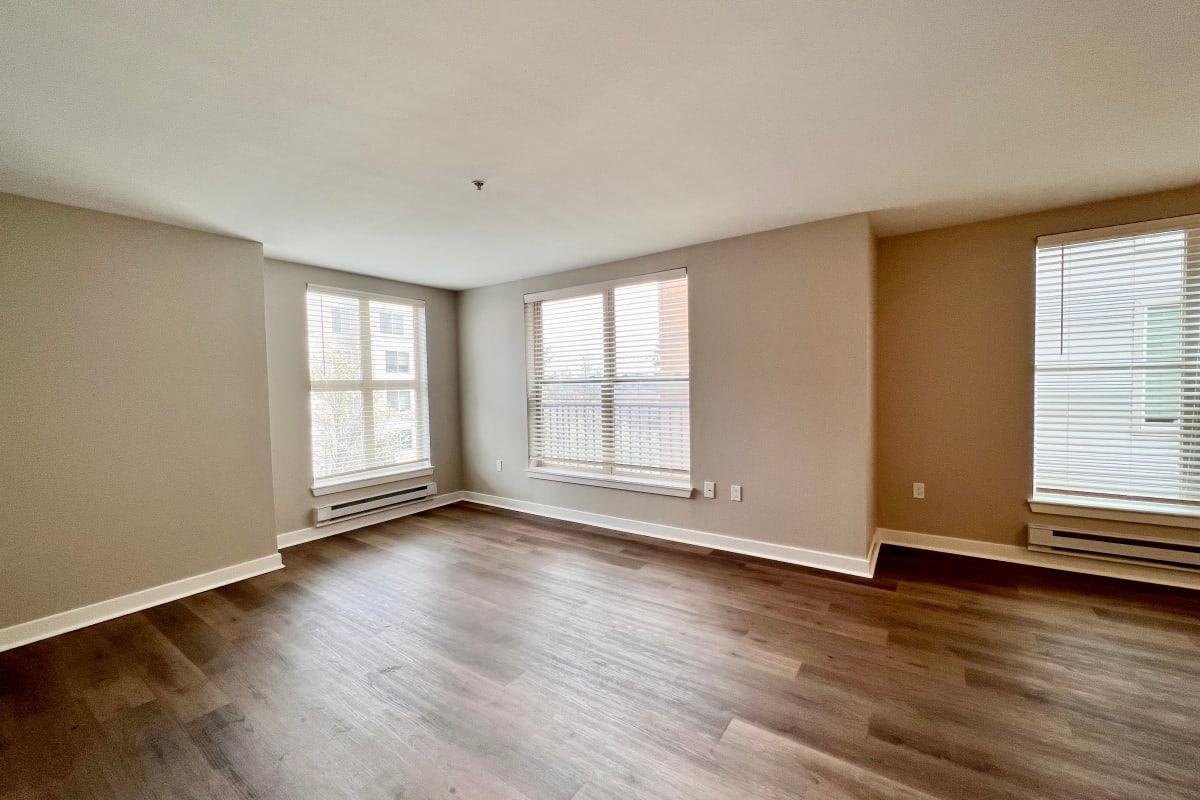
369	395
391	323
343	320
399	400
1117	379
608	383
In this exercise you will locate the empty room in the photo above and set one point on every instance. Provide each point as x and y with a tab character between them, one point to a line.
600	400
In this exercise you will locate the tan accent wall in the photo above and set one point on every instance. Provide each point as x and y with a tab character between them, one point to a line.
780	388
287	361
954	368
134	446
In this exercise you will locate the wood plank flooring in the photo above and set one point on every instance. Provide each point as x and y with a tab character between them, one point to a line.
466	653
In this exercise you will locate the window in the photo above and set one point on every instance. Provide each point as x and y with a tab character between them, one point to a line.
1117	368
368	393
399	401
608	384
391	323
397	361
344	319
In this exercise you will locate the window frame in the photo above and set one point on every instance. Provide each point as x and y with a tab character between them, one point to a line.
415	383
607	383
1182	513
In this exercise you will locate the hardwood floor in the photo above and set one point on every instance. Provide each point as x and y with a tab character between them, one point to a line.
465	653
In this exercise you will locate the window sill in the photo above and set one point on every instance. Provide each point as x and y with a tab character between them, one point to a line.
1166	515
611	482
362	480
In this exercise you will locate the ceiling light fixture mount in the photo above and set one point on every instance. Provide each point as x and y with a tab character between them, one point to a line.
478	184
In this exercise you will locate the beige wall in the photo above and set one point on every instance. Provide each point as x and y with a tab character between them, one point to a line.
287	362
954	375
780	377
134	444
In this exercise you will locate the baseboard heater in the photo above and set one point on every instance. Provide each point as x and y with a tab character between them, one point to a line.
374	504
1115	547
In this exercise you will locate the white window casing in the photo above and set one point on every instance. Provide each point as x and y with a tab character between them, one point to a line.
368	385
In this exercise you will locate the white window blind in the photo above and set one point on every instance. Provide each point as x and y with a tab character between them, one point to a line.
1117	354
369	397
608	379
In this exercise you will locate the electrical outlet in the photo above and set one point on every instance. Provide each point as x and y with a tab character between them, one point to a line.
735	493
919	491
710	489
499	465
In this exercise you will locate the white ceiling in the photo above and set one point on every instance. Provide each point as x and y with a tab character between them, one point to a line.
346	133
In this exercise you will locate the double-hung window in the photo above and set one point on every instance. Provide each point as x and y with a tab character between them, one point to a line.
368	387
1117	376
607	368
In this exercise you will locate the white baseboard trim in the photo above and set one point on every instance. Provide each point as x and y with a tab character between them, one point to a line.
292	538
75	618
1020	555
836	562
876	545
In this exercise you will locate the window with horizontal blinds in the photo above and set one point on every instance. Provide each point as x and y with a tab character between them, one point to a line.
368	387
1117	365
608	379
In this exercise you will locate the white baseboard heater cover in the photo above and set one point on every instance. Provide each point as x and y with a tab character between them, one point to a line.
374	503
1115	547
